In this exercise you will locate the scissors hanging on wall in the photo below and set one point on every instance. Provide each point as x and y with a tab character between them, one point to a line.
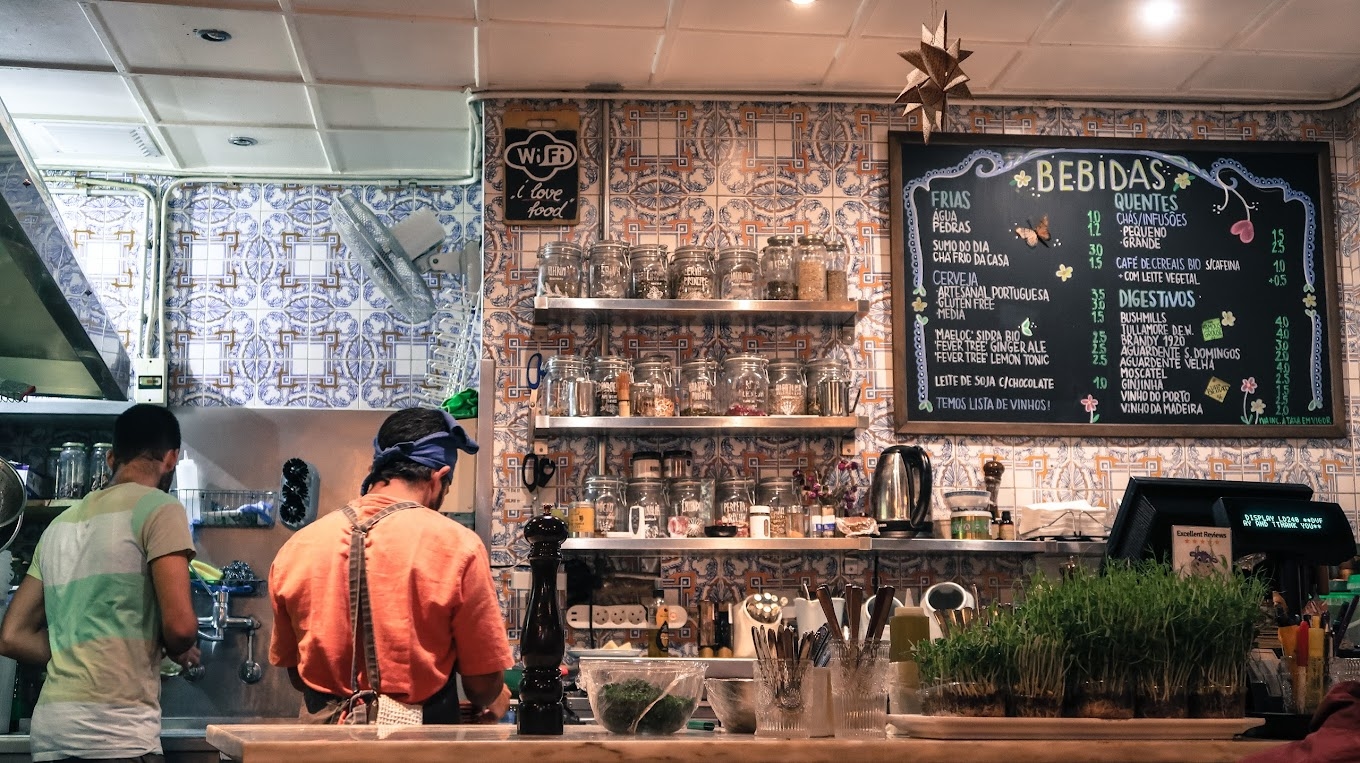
536	472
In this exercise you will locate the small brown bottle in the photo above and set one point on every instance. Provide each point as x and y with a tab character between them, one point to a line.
1007	529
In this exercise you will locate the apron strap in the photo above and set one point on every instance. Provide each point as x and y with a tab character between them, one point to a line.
360	608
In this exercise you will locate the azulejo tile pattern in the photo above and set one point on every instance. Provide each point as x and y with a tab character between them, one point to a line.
719	172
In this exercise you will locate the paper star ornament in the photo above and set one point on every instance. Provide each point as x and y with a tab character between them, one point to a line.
935	76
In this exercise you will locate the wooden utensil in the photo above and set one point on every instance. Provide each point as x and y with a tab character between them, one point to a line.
829	611
854	600
883	601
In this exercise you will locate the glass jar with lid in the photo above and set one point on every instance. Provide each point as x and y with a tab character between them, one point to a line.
646	507
788	389
698	387
734	498
605	374
738	273
72	470
689	512
812	268
656	371
828	388
100	472
562	377
837	271
692	273
559	269
607	270
786	511
607	495
650	277
777	268
745	385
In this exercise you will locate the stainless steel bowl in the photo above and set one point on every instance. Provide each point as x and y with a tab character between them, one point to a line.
734	702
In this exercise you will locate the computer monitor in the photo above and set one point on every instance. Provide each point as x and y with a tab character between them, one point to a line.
1152	505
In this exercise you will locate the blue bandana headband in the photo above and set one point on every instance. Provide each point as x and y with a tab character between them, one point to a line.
433	450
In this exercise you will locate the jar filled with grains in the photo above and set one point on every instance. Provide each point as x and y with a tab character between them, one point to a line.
607	270
738	273
656	371
812	268
692	273
697	388
837	271
734	503
559	269
605	374
650	277
788	389
777	268
745	385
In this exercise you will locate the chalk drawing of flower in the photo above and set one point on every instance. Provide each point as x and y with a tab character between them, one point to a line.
1228	318
918	304
1258	407
1249	385
1309	300
1064	272
1021	179
1090	403
1248	389
1182	180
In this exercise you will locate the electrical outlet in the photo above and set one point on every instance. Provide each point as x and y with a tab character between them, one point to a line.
540	448
847	446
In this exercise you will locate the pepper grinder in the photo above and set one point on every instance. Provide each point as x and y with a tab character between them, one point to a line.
991	479
542	639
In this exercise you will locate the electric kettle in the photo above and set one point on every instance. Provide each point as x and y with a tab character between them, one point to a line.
899	495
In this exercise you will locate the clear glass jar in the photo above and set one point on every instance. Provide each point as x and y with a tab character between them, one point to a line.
100	473
689	514
828	388
607	494
738	273
647	504
559	269
562	377
605	374
656	371
607	270
734	500
811	268
777	273
650	277
745	385
786	511
837	271
692	273
788	389
698	387
72	470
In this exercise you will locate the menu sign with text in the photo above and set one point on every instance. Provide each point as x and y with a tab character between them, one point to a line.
542	167
1098	287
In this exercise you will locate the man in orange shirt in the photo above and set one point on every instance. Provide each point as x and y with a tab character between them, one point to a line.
433	611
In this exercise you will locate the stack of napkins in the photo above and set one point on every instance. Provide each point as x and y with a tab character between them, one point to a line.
1063	519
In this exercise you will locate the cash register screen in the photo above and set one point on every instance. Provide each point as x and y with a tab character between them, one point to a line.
1314	530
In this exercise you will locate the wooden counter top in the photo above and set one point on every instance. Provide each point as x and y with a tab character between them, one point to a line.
590	744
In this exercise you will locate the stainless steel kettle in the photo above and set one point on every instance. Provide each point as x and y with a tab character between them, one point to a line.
899	495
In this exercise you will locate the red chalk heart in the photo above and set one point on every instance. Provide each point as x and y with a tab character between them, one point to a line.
1244	230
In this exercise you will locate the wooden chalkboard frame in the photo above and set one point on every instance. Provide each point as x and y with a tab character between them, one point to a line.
904	424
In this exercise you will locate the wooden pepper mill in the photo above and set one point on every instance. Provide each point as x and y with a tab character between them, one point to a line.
542	639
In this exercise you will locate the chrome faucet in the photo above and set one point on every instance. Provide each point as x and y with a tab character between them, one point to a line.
221	619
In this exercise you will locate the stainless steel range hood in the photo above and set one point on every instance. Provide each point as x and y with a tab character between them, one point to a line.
54	333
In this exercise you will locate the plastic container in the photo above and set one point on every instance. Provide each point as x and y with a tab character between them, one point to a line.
970	525
642	697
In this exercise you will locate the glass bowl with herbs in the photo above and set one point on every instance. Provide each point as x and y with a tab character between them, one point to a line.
647	697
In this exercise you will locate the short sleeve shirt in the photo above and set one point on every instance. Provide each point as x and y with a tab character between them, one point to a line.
434	604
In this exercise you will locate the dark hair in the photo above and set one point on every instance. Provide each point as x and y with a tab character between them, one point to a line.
407	425
144	430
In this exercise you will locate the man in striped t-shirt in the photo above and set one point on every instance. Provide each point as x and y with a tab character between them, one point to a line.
106	596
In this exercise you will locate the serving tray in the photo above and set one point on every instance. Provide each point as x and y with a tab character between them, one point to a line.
951	727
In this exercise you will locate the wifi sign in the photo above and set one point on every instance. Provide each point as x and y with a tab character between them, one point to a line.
542	172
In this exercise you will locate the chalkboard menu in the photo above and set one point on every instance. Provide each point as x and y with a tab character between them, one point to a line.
1123	288
542	167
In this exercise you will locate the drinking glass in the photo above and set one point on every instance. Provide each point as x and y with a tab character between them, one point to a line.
859	689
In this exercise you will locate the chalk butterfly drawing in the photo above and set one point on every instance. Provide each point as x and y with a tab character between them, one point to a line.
1036	235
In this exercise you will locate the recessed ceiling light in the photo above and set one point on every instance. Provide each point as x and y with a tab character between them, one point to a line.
802	2
244	141
213	35
1158	14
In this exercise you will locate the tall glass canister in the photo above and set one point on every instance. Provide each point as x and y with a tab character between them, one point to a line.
777	268
559	269
650	277
607	270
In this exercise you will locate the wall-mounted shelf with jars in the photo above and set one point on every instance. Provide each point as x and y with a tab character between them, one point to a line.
564	309
729	425
916	545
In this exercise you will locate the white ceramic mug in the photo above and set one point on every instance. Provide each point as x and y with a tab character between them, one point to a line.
809	613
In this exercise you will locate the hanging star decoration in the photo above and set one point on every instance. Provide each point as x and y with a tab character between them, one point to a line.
936	75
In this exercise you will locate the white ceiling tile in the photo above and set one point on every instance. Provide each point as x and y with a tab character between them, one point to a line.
279	149
359	107
973	20
1099	72
533	55
633	13
446	9
388	51
67	94
1200	24
226	101
423	152
1239	74
872	64
49	32
1319	26
717	61
161	37
48	154
774	16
